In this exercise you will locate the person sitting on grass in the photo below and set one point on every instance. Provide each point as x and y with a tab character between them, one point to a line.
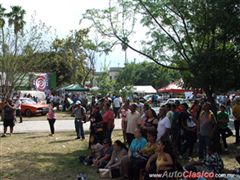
211	163
137	145
105	154
95	148
119	150
139	163
163	160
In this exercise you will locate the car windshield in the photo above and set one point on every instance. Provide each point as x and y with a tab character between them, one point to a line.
28	101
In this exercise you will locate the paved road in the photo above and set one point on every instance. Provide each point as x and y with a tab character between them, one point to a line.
43	126
62	125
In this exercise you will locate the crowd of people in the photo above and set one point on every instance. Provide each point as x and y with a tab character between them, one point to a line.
156	142
151	142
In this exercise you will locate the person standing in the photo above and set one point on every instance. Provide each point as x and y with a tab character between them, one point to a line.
51	118
236	115
96	123
133	119
228	105
9	117
80	116
222	121
169	112
116	106
150	123
108	121
176	130
124	110
189	127
207	128
18	104
164	124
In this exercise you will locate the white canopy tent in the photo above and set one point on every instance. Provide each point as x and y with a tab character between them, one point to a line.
144	89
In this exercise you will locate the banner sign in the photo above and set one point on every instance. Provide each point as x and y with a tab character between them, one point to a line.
40	81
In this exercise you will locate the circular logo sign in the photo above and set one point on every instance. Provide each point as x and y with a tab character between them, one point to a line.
41	83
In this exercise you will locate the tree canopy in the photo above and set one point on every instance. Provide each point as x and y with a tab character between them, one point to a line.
145	74
72	58
18	46
199	38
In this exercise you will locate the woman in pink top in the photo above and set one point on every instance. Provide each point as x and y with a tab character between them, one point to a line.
51	118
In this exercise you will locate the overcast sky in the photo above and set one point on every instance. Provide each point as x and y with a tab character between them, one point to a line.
63	16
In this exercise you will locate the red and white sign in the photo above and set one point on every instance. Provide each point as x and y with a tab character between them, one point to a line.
40	82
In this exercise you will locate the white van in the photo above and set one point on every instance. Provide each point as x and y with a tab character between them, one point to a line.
39	94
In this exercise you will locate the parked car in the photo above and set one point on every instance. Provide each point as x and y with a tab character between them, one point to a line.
173	101
30	107
148	98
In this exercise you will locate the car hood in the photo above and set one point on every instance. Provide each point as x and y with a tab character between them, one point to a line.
36	105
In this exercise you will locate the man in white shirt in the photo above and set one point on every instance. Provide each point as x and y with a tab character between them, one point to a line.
116	106
170	113
18	108
133	120
164	124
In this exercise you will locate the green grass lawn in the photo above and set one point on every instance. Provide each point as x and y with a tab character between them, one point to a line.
40	157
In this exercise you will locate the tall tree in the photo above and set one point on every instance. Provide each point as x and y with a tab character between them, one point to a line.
16	19
199	38
105	84
19	46
123	20
79	51
72	58
2	23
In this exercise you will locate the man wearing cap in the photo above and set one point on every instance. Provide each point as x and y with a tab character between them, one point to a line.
80	116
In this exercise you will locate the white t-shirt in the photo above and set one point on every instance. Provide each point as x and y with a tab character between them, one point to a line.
117	103
18	104
163	125
170	115
132	121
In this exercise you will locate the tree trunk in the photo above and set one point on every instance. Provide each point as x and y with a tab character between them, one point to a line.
3	65
211	99
15	44
3	43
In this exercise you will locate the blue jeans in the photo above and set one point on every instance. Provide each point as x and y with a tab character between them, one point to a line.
79	128
204	141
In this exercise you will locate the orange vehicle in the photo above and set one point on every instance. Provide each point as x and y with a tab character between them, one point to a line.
30	107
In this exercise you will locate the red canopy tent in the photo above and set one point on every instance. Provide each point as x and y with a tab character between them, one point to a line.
172	88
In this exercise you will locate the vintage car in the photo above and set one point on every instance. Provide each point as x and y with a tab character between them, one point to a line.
30	107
